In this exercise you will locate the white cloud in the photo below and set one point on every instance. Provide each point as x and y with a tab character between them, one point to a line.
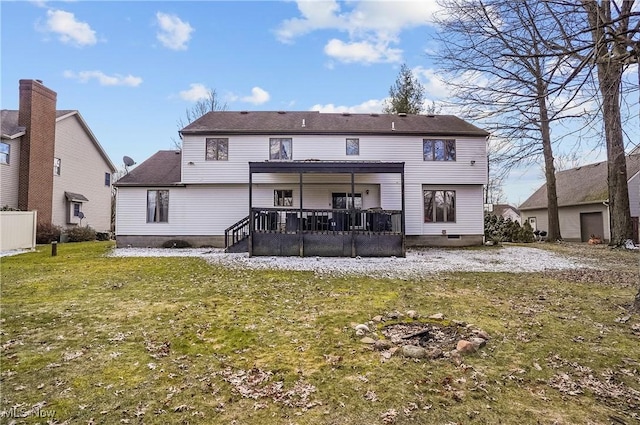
258	96
69	29
369	106
371	26
363	51
104	79
174	33
195	93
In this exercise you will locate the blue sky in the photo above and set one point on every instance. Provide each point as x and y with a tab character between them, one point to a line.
132	68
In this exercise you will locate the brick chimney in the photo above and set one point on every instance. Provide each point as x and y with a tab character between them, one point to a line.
37	114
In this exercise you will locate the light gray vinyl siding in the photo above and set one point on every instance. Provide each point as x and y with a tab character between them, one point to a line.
408	149
569	218
634	195
82	172
9	175
469	212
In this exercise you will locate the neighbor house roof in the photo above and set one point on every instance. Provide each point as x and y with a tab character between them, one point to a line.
314	122
11	129
161	169
500	209
581	185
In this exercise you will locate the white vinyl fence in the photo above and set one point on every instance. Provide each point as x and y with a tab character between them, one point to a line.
17	230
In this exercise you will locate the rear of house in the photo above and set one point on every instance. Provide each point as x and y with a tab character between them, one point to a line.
307	173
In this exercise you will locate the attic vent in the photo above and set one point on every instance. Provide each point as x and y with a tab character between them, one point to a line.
402	114
244	112
281	112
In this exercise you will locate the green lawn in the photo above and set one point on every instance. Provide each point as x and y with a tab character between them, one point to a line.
97	339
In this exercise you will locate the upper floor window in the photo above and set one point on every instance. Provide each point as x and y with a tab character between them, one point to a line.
5	150
283	198
107	179
353	146
217	149
157	206
439	206
57	164
280	148
438	150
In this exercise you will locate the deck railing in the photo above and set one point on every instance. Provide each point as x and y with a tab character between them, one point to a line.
287	220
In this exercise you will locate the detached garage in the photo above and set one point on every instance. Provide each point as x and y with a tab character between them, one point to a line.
583	197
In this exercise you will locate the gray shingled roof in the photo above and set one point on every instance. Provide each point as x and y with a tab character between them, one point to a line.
161	169
9	119
580	185
291	122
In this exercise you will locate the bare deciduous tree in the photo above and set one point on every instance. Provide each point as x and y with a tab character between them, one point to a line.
208	104
497	61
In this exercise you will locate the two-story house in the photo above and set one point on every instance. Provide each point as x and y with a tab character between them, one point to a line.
310	183
51	162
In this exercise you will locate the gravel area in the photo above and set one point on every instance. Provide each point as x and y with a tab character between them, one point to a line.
418	262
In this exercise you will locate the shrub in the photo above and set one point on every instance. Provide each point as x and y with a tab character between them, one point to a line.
176	243
103	236
47	233
80	234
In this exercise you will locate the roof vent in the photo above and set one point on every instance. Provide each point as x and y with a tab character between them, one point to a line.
304	124
431	116
402	114
281	112
244	112
375	115
393	125
346	114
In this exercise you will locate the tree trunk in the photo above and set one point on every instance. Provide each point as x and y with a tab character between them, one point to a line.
553	232
609	78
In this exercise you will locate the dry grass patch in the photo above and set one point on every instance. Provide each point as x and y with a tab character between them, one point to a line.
96	339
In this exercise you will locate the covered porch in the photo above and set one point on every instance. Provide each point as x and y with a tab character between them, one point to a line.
346	230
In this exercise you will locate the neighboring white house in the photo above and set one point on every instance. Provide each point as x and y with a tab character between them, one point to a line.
51	162
583	209
505	211
417	179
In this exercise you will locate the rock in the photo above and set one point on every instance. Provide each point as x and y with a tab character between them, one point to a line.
455	357
481	334
360	332
362	327
437	316
479	342
412	314
394	315
466	347
377	319
413	352
368	340
460	323
382	344
434	353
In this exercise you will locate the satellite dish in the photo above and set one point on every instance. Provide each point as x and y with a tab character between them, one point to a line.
80	215
128	162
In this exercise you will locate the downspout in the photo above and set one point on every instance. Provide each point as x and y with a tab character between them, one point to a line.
353	215
300	236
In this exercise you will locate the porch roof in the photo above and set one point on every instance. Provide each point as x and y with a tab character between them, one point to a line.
326	167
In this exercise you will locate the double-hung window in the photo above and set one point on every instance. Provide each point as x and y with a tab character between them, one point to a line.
353	146
439	206
439	150
5	150
217	149
282	198
280	148
157	206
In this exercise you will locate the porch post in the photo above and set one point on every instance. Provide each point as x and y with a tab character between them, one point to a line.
300	236
353	215
402	225
252	223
